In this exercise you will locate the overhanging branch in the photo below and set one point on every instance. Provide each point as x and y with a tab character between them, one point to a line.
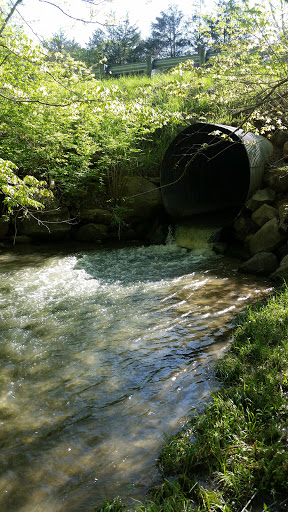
9	16
13	99
263	98
70	15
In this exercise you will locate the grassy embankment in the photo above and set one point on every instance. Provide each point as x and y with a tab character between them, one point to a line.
233	456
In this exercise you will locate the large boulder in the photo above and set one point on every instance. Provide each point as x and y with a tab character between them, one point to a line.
283	268
263	196
277	179
263	214
262	263
267	239
283	216
52	223
94	215
141	198
93	233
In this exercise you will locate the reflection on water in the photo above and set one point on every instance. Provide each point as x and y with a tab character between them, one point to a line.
101	353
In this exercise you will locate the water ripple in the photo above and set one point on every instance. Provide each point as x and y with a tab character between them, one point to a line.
102	352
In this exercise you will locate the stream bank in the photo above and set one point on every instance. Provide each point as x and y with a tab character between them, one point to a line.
257	235
233	455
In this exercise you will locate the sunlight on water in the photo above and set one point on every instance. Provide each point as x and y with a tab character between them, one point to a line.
101	353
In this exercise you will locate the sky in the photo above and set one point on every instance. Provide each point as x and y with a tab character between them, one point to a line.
46	20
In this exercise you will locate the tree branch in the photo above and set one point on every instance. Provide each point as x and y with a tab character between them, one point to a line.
91	2
9	16
14	99
264	98
69	15
29	26
31	100
35	62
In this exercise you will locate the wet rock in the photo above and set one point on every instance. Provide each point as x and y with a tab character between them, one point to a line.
267	239
282	251
263	214
262	263
265	195
157	233
220	247
279	138
283	216
93	233
277	179
283	268
125	234
236	249
53	224
143	199
242	226
94	215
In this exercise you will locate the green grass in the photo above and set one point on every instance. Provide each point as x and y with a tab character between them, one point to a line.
233	456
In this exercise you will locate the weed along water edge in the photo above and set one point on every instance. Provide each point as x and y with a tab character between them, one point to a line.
233	455
102	352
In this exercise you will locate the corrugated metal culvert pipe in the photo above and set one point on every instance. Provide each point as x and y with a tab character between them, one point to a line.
211	168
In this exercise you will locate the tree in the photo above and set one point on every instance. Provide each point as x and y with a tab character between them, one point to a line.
231	21
249	73
95	50
6	19
168	37
30	88
119	44
226	24
60	43
279	16
19	194
195	28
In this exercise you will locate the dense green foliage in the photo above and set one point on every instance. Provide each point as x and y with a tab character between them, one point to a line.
119	44
59	123
20	194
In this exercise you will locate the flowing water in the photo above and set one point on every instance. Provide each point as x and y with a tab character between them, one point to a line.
102	352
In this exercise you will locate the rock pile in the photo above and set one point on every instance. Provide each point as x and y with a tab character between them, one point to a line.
262	225
138	214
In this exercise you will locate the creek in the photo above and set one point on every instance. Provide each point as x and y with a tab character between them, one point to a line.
102	353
